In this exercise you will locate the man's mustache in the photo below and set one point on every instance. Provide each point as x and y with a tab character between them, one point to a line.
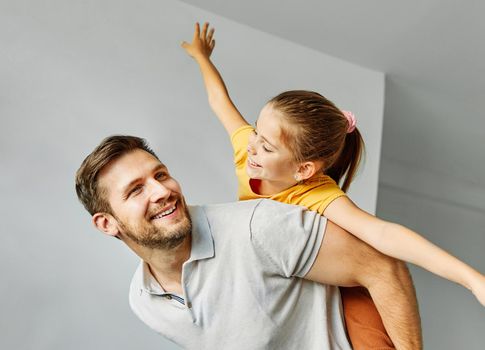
158	207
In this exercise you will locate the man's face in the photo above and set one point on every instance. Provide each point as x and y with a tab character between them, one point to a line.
146	201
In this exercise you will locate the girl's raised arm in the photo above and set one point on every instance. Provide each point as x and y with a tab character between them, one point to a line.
200	49
404	244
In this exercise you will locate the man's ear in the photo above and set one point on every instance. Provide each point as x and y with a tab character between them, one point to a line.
106	223
307	169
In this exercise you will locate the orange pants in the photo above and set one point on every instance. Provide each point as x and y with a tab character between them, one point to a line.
364	324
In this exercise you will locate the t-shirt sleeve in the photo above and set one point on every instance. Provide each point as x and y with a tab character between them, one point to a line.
239	141
286	237
320	197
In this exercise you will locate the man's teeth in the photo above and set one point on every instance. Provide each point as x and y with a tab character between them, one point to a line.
166	212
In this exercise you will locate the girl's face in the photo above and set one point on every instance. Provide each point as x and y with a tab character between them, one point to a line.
268	158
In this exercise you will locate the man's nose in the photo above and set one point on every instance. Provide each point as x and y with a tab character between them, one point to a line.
158	191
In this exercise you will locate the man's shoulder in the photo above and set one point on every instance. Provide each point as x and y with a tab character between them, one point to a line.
229	206
231	210
256	209
268	212
287	235
265	219
251	205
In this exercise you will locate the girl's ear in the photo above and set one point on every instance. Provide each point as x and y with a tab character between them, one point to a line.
106	223
307	169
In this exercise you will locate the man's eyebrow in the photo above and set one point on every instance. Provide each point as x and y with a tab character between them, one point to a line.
127	187
159	167
264	138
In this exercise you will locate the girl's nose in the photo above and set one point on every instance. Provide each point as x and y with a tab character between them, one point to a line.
251	148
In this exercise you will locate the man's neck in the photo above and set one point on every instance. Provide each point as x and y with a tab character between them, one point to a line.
167	268
166	265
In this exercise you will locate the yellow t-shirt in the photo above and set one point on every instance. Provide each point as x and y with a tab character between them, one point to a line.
315	193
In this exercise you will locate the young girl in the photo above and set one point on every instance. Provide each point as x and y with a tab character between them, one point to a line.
302	147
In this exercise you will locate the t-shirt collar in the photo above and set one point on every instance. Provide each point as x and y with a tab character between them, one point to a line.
202	241
202	248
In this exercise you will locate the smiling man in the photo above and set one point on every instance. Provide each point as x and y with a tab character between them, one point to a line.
246	275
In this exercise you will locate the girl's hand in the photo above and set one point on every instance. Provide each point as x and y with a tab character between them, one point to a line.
478	288
202	42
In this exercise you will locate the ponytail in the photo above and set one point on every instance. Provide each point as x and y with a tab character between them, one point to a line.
315	129
346	165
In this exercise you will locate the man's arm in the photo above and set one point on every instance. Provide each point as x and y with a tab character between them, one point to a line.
344	260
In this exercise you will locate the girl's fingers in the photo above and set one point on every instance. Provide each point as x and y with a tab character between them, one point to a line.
205	35
210	35
204	30
196	30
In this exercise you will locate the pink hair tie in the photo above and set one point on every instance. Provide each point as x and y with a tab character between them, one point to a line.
351	119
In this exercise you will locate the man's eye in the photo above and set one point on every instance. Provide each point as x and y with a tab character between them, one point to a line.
135	190
160	175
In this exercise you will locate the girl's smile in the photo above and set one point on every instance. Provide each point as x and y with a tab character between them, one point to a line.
269	160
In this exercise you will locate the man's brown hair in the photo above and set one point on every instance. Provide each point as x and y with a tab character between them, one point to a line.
90	194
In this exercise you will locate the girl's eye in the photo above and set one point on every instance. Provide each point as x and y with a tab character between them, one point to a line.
267	150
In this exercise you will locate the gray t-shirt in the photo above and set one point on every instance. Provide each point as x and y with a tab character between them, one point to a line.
242	284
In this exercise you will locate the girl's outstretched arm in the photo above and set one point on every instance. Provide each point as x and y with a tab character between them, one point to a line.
200	49
404	244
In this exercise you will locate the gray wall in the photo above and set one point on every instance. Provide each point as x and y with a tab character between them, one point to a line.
72	73
428	183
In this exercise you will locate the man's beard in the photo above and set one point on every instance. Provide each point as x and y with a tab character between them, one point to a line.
151	236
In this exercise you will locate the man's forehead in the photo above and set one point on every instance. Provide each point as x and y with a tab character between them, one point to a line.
127	168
